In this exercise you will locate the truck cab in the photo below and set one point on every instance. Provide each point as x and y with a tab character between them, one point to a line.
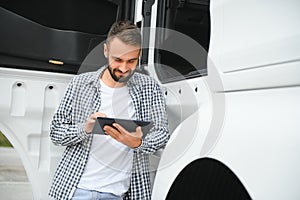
229	70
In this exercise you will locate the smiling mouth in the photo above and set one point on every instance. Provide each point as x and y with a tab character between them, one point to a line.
122	74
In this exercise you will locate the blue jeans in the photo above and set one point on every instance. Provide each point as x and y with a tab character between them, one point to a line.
81	194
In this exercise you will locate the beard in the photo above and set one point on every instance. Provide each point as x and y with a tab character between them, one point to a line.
121	79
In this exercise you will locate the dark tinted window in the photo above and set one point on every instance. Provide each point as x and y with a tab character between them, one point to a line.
34	32
181	51
87	16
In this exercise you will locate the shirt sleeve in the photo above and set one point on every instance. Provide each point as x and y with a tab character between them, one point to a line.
63	131
159	134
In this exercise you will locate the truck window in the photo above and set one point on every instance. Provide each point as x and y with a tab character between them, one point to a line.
175	58
35	34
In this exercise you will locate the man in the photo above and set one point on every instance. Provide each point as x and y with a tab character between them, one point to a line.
116	165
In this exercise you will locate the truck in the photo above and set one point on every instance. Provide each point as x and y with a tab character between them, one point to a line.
229	71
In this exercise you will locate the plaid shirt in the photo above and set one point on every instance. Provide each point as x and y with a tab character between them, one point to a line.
81	99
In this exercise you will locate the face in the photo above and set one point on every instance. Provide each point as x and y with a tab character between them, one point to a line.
122	59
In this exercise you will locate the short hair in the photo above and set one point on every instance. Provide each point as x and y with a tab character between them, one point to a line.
126	31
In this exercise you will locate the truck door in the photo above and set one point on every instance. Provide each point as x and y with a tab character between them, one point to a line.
43	45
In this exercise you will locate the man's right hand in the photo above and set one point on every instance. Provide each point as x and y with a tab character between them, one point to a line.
90	122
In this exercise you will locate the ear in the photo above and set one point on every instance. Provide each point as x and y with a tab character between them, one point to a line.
105	50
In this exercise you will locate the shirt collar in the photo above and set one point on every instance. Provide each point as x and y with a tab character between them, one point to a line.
94	79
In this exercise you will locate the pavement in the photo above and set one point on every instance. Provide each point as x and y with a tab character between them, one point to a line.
14	184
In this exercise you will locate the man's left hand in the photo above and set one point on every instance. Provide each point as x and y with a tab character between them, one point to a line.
131	139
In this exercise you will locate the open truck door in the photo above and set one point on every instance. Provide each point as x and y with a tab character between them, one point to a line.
43	44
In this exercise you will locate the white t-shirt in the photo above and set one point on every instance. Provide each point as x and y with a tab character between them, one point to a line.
109	165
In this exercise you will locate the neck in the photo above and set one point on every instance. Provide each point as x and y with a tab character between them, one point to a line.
109	81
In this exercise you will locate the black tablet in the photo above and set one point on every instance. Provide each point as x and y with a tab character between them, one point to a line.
129	125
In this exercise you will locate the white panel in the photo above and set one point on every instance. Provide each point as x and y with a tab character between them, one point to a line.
281	75
254	44
184	98
18	103
138	11
26	111
255	33
260	141
183	147
190	110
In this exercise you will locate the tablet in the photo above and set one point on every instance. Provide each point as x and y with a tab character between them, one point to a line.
129	125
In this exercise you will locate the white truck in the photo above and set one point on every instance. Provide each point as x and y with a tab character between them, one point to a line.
229	69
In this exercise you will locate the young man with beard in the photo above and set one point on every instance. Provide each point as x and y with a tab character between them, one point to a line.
116	165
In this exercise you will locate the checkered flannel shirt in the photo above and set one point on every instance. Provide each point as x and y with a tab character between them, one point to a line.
81	99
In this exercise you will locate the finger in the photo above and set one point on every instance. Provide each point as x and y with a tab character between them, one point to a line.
120	128
138	132
107	128
93	117
138	129
111	134
111	131
99	114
